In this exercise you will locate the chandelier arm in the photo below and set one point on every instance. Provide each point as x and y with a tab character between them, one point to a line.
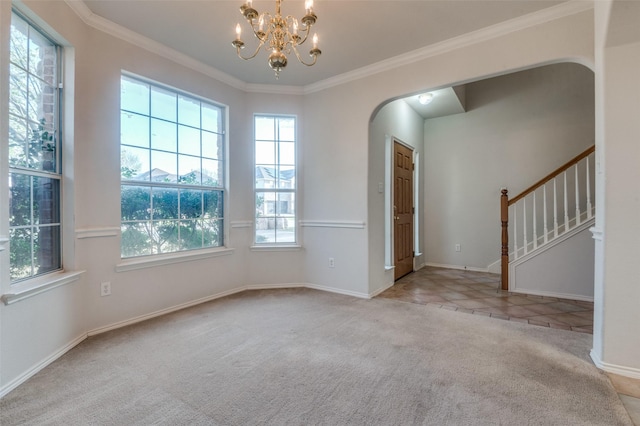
254	53
315	58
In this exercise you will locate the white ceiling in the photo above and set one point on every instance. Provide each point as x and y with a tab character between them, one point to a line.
353	34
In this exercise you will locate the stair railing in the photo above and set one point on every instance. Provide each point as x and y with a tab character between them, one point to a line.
561	187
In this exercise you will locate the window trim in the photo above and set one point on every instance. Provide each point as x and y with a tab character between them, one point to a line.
277	246
149	260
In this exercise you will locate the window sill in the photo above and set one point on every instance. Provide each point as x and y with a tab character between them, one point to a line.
35	286
283	247
168	259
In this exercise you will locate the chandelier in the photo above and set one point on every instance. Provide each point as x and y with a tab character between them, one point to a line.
280	35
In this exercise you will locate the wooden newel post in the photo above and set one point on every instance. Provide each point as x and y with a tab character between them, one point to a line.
504	218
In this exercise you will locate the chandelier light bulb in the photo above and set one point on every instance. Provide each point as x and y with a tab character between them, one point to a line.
308	5
238	31
315	41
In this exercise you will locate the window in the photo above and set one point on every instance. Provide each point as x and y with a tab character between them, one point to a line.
275	179
172	170
34	152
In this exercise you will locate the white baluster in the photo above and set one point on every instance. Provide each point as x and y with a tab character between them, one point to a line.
589	207
535	228
566	205
555	210
544	213
577	197
524	225
515	232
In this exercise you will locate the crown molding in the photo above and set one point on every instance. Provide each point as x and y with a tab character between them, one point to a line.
562	10
111	28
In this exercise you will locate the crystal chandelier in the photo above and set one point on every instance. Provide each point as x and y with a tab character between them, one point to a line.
280	35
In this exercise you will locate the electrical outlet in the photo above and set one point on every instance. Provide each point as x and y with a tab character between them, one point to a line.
332	263
105	289
458	247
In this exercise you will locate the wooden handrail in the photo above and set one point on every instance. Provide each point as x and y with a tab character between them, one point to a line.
552	175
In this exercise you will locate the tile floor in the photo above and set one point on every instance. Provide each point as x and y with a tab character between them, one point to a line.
477	293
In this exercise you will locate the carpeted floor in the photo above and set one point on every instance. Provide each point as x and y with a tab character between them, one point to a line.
304	357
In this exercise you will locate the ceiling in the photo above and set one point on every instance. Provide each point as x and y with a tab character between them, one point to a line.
352	34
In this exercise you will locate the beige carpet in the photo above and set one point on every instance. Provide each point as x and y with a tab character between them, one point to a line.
304	357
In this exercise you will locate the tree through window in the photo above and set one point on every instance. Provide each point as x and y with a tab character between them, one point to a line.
172	170
34	152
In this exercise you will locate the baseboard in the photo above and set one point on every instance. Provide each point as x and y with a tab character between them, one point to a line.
552	294
274	286
620	370
339	291
165	311
463	268
380	290
39	366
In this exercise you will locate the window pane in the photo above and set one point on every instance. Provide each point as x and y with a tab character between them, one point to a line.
136	239
134	95
190	204
212	231
165	203
163	135
34	99
20	254
212	173
19	41
188	140
135	203
211	118
134	164
18	95
164	167
189	170
212	145
212	204
190	234
188	111
287	177
17	142
46	200
163	104
287	152
265	153
265	129
287	130
42	55
165	236
19	200
47	249
134	129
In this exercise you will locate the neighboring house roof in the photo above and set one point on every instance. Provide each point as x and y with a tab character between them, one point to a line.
159	175
263	172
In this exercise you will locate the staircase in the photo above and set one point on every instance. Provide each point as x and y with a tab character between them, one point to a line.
554	213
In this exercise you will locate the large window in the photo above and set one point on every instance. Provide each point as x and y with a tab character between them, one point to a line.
275	179
172	170
34	152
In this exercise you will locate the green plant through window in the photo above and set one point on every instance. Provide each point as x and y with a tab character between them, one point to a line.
172	170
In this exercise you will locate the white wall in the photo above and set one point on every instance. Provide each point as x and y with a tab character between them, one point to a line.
517	129
562	269
394	121
617	231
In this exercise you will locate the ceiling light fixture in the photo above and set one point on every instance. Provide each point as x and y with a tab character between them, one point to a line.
278	34
425	98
